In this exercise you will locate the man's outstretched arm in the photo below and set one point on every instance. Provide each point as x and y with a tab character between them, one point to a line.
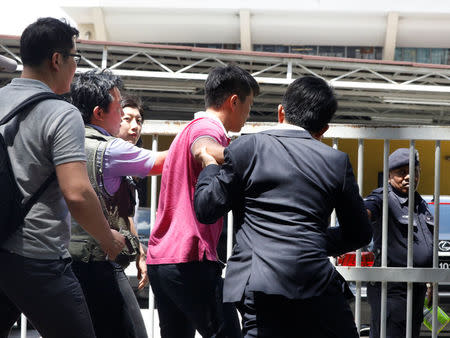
214	190
159	163
354	230
85	207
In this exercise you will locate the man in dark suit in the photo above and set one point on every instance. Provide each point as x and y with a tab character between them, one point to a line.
282	185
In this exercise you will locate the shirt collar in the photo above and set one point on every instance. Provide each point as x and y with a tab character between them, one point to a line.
288	126
100	129
20	81
211	116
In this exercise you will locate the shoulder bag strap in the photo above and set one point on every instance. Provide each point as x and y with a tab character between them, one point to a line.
33	100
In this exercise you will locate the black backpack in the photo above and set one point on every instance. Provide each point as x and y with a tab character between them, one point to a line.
12	208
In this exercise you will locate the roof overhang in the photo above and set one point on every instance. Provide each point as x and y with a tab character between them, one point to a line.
170	79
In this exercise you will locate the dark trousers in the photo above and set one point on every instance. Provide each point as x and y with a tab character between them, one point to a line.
47	292
134	323
111	301
324	316
395	309
189	297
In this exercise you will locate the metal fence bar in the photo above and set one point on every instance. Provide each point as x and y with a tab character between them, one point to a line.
335	143
384	234
411	207
230	231
153	198
393	274
105	57
409	305
437	193
23	326
358	252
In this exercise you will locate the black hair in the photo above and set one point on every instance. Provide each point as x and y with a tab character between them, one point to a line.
43	38
92	89
310	103
225	81
133	102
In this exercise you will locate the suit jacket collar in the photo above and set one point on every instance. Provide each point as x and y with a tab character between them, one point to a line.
288	133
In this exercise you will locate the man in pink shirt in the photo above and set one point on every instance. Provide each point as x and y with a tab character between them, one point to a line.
183	266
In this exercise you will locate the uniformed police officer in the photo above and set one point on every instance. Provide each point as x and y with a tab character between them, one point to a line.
398	188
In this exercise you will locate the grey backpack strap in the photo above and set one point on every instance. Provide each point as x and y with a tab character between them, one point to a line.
32	101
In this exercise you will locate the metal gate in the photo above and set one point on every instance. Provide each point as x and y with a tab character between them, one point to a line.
358	274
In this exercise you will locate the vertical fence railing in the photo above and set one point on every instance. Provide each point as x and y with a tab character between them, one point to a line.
384	238
335	145
23	326
410	257
153	199
437	193
230	229
333	219
358	252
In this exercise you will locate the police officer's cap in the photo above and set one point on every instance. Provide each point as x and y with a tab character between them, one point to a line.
400	158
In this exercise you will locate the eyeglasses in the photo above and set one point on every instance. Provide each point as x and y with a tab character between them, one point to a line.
76	58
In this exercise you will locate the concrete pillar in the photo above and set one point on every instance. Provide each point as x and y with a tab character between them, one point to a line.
95	30
99	23
390	39
87	31
246	38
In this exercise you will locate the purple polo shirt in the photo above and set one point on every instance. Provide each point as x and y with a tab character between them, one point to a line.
123	159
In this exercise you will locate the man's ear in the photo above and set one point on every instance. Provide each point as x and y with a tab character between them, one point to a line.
97	113
389	176
281	114
56	61
233	100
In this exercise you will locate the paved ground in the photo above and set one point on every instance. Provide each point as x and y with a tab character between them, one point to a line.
145	313
131	272
34	334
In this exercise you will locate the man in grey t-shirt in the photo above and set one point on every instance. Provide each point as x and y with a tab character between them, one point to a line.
35	266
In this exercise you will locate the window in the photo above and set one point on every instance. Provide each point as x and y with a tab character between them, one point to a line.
307	50
336	51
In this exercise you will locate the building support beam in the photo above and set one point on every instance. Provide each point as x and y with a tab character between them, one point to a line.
99	24
246	38
87	31
390	39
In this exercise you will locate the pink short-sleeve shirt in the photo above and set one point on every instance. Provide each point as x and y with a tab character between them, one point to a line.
177	236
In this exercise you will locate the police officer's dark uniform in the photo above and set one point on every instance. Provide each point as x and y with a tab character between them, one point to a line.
397	253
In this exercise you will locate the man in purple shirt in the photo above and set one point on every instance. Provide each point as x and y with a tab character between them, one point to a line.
110	160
